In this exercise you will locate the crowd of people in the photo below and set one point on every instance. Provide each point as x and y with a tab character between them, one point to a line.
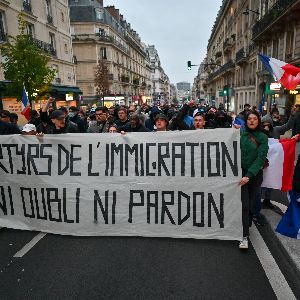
255	131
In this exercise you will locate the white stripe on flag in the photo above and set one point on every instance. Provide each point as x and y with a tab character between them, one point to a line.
276	66
273	173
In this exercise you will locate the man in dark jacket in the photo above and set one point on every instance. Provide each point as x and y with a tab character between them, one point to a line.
123	117
74	117
8	128
134	125
61	125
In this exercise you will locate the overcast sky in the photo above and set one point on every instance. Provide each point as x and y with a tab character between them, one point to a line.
179	29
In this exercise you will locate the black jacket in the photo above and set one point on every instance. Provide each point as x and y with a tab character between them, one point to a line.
81	124
8	128
70	127
128	128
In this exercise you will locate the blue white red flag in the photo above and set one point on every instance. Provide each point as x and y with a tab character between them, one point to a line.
281	157
287	74
290	222
25	105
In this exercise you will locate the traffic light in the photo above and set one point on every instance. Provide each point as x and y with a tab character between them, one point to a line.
226	90
189	65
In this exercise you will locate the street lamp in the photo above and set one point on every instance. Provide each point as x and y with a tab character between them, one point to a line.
247	11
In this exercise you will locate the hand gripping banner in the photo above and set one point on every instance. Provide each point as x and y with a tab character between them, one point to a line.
173	184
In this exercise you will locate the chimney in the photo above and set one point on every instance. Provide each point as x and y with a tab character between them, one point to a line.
114	12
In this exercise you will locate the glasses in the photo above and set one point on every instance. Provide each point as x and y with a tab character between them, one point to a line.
101	114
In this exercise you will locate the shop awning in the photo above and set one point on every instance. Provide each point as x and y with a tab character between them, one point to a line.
61	89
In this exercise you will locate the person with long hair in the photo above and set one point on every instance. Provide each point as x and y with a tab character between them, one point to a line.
254	150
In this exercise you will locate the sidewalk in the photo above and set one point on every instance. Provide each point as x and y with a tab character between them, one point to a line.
291	246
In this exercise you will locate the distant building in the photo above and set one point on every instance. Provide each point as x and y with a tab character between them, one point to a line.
160	81
242	30
102	33
183	86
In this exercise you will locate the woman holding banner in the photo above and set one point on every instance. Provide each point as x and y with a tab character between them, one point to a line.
254	150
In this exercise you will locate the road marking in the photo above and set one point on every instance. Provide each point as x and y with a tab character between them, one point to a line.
282	207
30	245
277	280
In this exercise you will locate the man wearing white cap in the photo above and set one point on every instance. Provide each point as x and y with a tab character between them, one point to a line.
29	129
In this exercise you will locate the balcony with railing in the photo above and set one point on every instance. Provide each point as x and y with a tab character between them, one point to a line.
99	37
275	12
27	7
241	56
48	48
49	19
221	71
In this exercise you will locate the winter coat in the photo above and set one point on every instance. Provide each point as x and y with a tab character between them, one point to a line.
8	128
128	128
70	127
253	155
81	124
96	127
277	131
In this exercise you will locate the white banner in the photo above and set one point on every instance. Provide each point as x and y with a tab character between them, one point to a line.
171	184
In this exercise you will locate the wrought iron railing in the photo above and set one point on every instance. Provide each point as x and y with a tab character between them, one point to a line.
48	48
27	6
240	55
223	69
49	19
271	16
101	38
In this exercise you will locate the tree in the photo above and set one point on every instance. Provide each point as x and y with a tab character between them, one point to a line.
101	79
26	65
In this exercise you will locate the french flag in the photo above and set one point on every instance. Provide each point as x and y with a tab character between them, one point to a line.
25	105
289	224
281	156
287	74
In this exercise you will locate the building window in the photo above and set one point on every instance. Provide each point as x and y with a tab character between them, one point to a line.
99	15
66	48
62	17
103	53
27	6
52	40
48	7
275	48
289	45
30	29
2	27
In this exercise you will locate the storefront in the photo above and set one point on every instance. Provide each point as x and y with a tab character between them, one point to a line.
65	95
113	101
14	106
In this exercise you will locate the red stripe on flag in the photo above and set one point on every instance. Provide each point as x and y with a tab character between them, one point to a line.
26	113
289	148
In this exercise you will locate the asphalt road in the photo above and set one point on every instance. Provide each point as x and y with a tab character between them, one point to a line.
65	267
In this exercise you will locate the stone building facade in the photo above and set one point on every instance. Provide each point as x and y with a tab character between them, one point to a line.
49	24
244	28
102	33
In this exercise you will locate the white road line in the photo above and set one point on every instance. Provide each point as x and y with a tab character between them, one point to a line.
277	280
282	207
30	245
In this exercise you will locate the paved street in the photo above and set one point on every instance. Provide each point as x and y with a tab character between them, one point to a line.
67	267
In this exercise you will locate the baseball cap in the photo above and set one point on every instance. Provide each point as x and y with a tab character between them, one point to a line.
161	116
29	127
58	114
